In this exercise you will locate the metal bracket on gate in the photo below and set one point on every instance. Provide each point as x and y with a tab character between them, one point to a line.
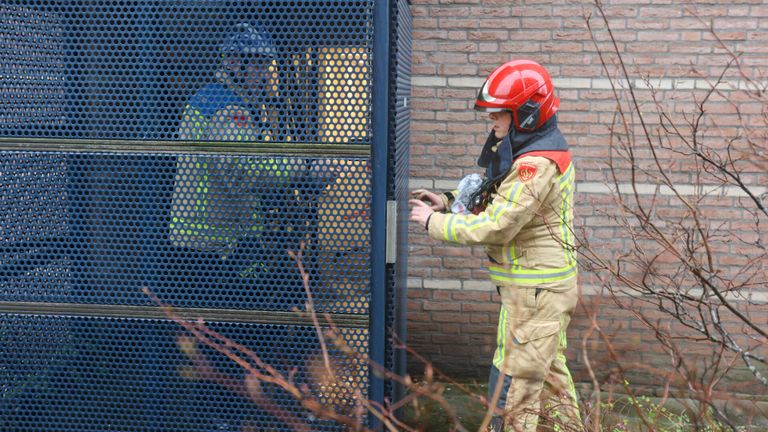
391	252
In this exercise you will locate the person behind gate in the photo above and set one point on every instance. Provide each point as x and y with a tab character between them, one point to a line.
246	211
522	212
234	216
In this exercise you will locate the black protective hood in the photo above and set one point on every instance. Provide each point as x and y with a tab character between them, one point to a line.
499	154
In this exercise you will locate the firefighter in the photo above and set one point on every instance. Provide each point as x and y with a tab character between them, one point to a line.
523	214
211	210
234	218
242	214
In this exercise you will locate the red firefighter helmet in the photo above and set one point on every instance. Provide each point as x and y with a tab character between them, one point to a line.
522	87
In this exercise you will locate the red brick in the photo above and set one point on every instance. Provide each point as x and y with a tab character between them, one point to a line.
450	328
451	12
660	13
441	306
414	318
471	296
460	70
423	326
480	307
452	340
448	23
449	317
424	23
488	35
479	329
440	295
495	11
479	319
457	35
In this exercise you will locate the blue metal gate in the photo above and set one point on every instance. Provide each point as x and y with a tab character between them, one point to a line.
182	148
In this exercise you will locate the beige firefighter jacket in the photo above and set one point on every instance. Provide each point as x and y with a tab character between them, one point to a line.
527	227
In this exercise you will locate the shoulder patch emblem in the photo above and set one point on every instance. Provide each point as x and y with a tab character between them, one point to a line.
526	172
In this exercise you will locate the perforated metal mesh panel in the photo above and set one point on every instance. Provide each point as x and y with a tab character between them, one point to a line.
185	146
113	374
127	68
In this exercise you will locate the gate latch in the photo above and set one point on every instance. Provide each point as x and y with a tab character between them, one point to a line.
391	251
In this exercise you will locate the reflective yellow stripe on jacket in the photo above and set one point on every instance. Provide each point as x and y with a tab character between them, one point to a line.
567	183
207	212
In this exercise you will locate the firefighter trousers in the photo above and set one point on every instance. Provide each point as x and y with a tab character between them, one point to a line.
529	375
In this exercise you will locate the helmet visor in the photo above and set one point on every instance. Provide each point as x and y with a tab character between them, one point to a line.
484	102
489	109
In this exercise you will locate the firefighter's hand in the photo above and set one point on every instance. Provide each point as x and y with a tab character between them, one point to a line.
420	212
435	203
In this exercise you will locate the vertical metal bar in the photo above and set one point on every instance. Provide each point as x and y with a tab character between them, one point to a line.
380	143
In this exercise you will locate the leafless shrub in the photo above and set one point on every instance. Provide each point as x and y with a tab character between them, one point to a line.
687	176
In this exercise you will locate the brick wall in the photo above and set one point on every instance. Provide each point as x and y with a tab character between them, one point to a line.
456	43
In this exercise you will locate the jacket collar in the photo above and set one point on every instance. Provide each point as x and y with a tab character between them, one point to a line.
498	155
